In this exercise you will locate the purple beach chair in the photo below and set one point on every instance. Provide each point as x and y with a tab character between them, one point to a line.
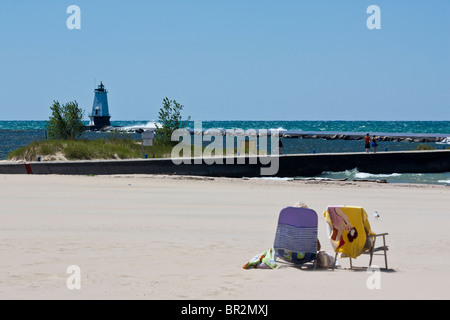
296	236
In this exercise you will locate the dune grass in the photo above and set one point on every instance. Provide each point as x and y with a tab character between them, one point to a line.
113	147
425	147
110	148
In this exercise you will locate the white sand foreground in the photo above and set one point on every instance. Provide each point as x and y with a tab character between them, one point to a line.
161	237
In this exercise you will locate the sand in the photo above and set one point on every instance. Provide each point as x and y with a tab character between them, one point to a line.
168	237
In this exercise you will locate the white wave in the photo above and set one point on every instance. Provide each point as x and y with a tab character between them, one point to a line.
309	178
271	178
445	141
364	175
354	173
145	126
427	178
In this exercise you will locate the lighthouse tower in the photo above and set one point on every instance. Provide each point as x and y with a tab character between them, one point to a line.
100	116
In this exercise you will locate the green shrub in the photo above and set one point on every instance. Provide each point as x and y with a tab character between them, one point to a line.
170	118
425	147
66	121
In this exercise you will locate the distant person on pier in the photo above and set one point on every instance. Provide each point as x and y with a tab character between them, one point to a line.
367	142
280	145
374	144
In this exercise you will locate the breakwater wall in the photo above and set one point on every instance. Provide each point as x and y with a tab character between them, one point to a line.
332	135
299	134
380	136
305	165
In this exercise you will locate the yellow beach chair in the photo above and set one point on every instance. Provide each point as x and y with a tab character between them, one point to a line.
350	233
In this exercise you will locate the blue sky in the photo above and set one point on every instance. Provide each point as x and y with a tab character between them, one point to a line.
229	60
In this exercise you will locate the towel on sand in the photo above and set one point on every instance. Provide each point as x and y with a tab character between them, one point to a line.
265	260
348	229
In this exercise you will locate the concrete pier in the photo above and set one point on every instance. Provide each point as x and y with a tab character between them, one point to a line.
305	165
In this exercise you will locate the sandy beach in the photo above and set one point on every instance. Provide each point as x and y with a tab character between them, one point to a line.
169	237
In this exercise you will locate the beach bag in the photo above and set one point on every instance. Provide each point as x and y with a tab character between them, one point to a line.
324	260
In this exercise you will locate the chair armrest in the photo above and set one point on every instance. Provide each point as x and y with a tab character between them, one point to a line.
373	240
377	235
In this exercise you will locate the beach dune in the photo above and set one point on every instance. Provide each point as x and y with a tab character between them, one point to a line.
170	237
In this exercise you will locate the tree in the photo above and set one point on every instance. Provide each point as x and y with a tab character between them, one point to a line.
66	121
170	119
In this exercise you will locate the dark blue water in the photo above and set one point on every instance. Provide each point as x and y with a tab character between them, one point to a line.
16	134
441	127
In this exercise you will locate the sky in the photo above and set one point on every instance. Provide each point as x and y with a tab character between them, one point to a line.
228	59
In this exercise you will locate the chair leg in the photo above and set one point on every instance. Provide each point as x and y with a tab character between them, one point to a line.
335	259
351	266
385	253
371	250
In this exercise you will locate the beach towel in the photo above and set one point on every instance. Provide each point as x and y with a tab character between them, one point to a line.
348	229
264	260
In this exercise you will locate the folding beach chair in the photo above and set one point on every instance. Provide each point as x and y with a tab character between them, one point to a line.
296	235
350	233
